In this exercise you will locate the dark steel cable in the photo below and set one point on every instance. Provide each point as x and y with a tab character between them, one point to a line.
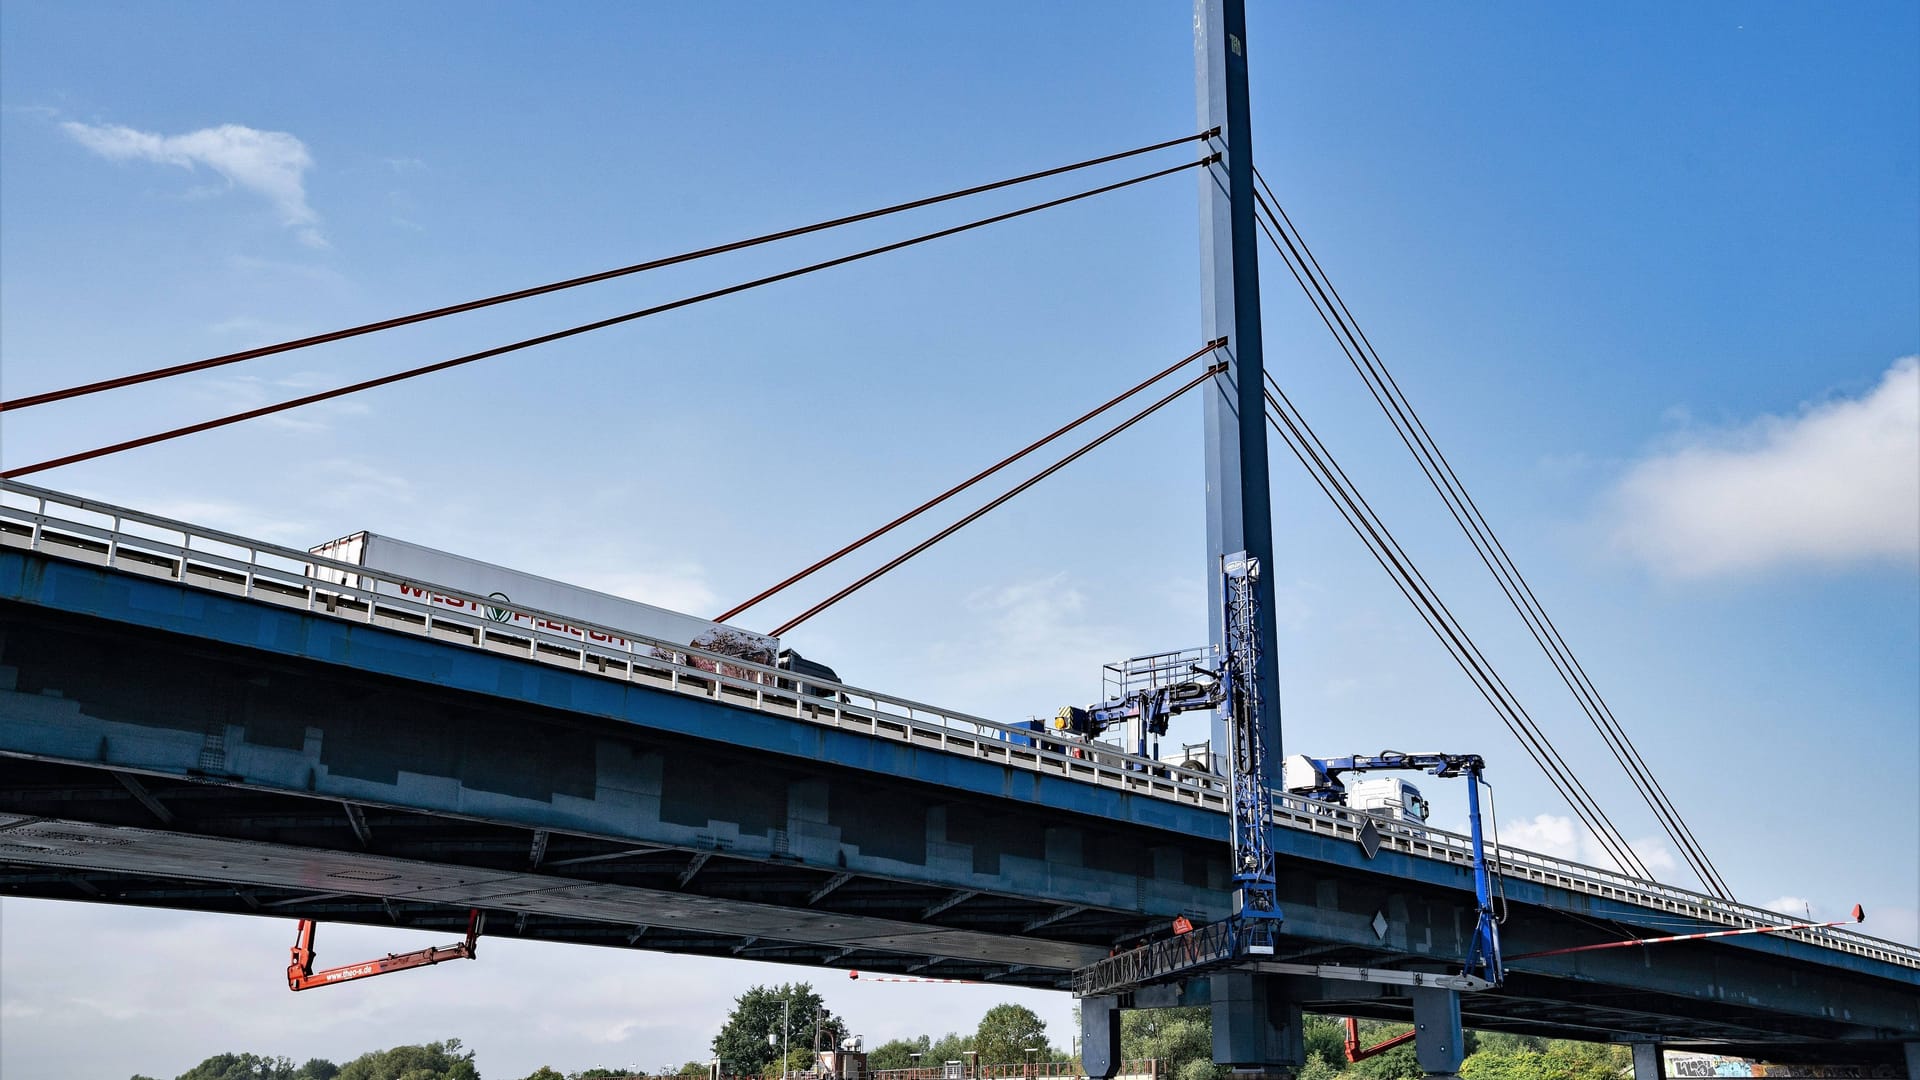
1611	841
1487	545
1296	267
967	483
977	514
1611	837
1440	475
1425	614
1459	643
30	400
557	335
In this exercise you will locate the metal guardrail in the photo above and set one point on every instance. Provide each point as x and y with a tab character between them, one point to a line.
84	530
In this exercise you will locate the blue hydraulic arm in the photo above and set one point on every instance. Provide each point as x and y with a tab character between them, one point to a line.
1485	953
1483	957
1151	708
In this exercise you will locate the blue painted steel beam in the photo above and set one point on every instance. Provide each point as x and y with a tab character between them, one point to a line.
1239	506
1427	923
161	605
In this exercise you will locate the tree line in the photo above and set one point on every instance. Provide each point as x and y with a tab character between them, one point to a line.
749	1043
1183	1039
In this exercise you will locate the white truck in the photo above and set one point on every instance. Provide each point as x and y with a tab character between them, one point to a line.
419	568
1384	796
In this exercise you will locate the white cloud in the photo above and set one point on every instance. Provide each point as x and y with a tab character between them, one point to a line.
269	163
239	393
1837	484
1563	838
1797	906
235	518
1545	834
345	484
1039	641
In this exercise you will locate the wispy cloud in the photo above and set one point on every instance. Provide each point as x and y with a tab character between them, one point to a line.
680	586
231	517
1797	906
241	392
1838	483
272	164
1562	837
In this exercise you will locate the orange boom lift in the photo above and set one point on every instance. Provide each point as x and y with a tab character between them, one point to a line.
301	976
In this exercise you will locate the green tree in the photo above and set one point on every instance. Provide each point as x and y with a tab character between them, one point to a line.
1006	1031
1318	1068
1545	1059
1514	1064
433	1061
1199	1070
240	1067
742	1042
1183	1038
897	1053
1502	1042
693	1068
546	1072
948	1047
1398	1063
799	1060
1326	1036
317	1069
602	1074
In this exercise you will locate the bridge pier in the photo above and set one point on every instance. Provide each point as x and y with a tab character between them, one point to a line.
1438	1043
1257	1030
1648	1061
1100	1037
1913	1061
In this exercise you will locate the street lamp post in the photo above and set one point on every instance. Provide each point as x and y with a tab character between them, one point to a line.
786	1020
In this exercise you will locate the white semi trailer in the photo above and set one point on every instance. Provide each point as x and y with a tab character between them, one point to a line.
420	569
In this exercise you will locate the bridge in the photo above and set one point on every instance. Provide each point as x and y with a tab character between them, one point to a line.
197	720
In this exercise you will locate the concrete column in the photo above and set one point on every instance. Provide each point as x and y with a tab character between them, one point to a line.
1257	1029
1438	1043
1100	1037
1913	1061
1648	1061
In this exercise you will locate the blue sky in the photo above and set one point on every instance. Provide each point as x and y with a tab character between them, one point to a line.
1648	273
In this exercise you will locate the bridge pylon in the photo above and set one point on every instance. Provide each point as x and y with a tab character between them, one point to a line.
1256	1028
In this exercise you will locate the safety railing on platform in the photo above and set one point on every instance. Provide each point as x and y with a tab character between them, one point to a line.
131	541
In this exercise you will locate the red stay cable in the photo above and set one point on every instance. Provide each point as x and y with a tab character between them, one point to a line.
30	400
965	484
266	410
977	514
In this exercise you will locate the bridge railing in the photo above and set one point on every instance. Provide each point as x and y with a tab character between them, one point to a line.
85	530
1515	864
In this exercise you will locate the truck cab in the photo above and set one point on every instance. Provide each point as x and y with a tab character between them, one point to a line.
1389	797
